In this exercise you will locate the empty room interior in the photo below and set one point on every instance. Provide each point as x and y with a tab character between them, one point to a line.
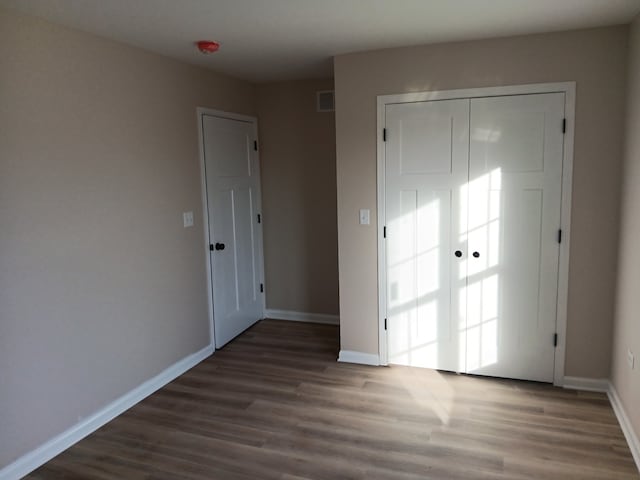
337	239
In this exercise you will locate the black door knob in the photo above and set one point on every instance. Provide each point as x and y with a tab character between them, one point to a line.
458	253
475	255
219	246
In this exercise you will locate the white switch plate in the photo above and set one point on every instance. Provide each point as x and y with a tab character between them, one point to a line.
631	359
187	219
364	217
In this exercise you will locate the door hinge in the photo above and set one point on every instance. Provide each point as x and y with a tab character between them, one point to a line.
564	125
255	145
211	247
385	323
384	232
384	134
555	339
261	288
259	219
560	236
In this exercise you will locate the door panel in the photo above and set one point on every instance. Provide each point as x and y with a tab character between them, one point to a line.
244	220
225	278
233	194
513	140
233	156
427	150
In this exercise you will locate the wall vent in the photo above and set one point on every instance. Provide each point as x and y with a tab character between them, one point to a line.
325	101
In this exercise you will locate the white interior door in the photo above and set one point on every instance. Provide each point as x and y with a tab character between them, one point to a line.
427	151
514	201
233	201
472	207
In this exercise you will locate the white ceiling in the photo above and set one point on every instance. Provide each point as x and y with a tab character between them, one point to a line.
267	40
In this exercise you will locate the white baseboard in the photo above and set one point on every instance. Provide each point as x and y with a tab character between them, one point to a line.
302	316
604	385
587	384
625	424
45	452
349	356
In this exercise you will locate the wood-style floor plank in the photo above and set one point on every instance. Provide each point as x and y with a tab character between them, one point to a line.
274	404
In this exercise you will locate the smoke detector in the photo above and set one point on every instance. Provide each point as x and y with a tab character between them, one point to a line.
207	47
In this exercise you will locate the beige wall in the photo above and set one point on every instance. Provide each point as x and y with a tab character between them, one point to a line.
297	155
596	60
100	286
627	325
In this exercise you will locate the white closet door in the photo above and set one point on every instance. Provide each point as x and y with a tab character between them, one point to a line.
426	167
514	199
481	178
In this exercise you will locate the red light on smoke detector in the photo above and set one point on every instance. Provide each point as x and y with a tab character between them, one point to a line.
207	46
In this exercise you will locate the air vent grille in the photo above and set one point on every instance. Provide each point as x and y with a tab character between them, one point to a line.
325	101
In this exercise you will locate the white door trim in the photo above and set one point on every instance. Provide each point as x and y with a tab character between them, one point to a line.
569	89
201	111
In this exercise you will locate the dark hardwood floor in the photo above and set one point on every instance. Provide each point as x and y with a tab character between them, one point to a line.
274	404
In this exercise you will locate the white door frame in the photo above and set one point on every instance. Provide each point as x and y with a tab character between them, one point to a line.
569	89
201	112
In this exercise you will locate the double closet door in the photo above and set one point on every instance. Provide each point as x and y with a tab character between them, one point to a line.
472	208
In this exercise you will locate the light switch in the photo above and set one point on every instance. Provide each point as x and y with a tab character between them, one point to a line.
187	219
364	217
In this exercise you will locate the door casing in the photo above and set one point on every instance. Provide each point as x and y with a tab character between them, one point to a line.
568	88
205	208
